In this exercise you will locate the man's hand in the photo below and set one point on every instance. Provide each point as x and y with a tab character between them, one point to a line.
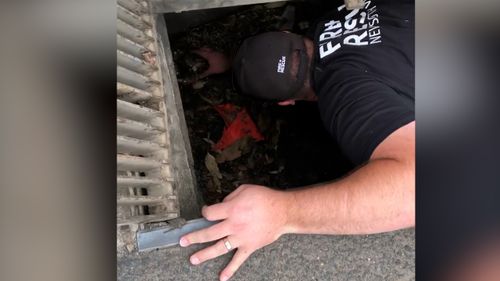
378	197
253	217
217	61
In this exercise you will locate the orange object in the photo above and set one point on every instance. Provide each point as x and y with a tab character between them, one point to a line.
238	125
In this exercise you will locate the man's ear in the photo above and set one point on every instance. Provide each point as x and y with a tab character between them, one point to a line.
287	102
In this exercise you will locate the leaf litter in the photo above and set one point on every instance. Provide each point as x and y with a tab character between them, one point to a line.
288	155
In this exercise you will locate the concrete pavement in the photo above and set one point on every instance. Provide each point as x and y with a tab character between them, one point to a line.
388	256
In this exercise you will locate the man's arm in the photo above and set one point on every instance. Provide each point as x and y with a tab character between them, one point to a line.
378	197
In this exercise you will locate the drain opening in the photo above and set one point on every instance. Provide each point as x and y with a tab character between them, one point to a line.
296	149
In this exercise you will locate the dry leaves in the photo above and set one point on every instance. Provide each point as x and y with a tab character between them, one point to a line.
213	169
235	150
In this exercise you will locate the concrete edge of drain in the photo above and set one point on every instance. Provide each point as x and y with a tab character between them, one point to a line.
190	200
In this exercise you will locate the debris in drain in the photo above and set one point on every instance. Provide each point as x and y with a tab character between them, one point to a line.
213	169
239	125
235	150
236	139
149	57
199	84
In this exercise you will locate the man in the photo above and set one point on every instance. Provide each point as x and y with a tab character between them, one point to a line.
359	66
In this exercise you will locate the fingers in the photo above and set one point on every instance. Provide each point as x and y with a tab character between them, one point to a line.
211	252
239	257
212	213
212	233
215	212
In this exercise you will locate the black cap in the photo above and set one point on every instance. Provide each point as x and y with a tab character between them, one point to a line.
262	66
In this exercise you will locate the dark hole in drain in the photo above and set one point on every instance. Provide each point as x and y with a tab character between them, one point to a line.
144	192
296	151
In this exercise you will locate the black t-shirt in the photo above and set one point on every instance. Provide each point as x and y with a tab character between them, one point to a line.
364	74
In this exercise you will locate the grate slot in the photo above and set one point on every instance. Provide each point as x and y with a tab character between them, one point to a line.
135	64
136	146
134	163
130	128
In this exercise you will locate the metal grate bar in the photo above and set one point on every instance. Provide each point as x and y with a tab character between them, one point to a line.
129	181
132	33
132	6
134	79
136	112
135	64
141	200
133	19
136	146
133	163
147	218
130	128
132	48
131	94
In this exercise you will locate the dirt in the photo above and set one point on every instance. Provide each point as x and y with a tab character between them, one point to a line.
296	149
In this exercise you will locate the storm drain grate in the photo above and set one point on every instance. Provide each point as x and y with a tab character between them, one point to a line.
145	183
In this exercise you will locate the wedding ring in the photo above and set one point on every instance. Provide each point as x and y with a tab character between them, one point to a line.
227	244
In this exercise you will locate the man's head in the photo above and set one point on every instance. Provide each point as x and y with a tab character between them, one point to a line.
275	66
